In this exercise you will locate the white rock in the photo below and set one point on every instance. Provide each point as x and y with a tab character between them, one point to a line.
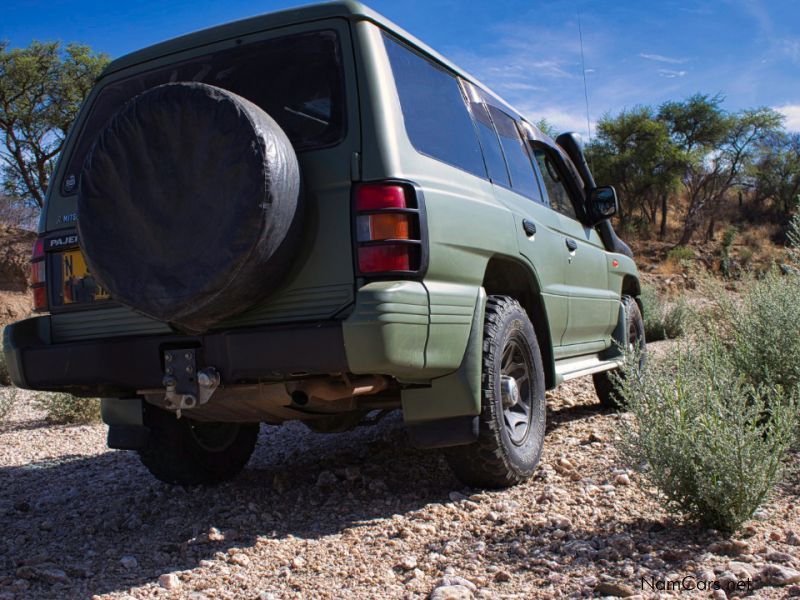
622	479
451	592
298	562
169	581
779	575
408	563
240	559
452	580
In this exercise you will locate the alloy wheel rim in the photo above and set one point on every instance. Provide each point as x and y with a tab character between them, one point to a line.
515	391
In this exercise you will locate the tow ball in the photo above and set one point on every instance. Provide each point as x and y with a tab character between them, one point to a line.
185	386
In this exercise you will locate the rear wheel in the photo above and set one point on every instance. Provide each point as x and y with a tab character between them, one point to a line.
512	419
190	452
604	382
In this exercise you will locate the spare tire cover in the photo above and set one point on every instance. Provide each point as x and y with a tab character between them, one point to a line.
188	208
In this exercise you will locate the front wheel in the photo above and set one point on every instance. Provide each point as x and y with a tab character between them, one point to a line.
190	452
604	383
512	419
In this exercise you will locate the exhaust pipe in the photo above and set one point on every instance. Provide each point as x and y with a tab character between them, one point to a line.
329	390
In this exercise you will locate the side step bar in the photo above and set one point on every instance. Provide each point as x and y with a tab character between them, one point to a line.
572	368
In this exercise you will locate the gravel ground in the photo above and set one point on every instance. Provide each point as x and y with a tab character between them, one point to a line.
361	515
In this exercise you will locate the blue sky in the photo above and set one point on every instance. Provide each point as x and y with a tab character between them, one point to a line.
635	52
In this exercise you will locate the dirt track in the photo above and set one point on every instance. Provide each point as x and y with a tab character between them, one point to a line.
354	515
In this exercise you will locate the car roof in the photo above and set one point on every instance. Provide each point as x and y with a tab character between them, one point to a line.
347	9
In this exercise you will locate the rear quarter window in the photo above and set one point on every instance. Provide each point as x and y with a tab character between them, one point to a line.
434	111
298	80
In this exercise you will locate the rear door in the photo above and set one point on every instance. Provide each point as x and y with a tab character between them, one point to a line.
514	181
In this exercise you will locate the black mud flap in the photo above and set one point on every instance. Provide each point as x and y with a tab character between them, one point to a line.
443	433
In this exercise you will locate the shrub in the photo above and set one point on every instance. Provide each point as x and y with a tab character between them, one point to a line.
762	331
712	444
662	320
680	254
66	408
8	398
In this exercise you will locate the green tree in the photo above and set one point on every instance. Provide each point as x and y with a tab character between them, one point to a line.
719	149
634	152
41	90
547	127
776	173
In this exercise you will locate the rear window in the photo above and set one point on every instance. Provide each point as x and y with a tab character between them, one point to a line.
434	110
297	80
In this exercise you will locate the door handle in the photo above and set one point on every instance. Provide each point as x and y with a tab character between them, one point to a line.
572	245
529	227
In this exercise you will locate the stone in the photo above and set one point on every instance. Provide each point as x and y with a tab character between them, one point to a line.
792	538
622	479
52	575
240	559
453	580
408	563
215	535
326	479
456	496
129	562
793	591
502	576
781	557
615	589
169	581
730	547
451	592
298	562
779	575
742	570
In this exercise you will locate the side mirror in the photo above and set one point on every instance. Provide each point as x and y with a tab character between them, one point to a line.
603	203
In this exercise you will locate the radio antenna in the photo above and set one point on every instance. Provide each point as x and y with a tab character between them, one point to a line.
585	86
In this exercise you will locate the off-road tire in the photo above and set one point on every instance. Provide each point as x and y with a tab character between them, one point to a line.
174	453
604	383
496	460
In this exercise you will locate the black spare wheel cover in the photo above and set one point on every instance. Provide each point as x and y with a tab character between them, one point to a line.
188	207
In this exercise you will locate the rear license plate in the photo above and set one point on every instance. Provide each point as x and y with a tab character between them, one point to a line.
76	284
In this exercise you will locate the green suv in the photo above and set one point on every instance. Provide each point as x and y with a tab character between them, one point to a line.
310	215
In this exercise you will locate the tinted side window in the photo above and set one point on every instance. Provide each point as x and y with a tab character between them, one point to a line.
556	190
435	114
495	163
523	177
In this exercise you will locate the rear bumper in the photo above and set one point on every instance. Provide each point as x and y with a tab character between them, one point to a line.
118	367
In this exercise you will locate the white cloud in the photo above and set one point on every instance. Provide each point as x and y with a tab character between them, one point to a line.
562	120
663	59
792	114
670	74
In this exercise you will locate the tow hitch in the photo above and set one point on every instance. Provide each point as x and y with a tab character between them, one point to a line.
185	386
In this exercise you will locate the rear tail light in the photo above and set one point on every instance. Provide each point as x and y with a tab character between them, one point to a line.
39	276
389	229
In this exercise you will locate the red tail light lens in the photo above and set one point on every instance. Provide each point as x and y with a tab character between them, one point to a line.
378	196
388	229
39	276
